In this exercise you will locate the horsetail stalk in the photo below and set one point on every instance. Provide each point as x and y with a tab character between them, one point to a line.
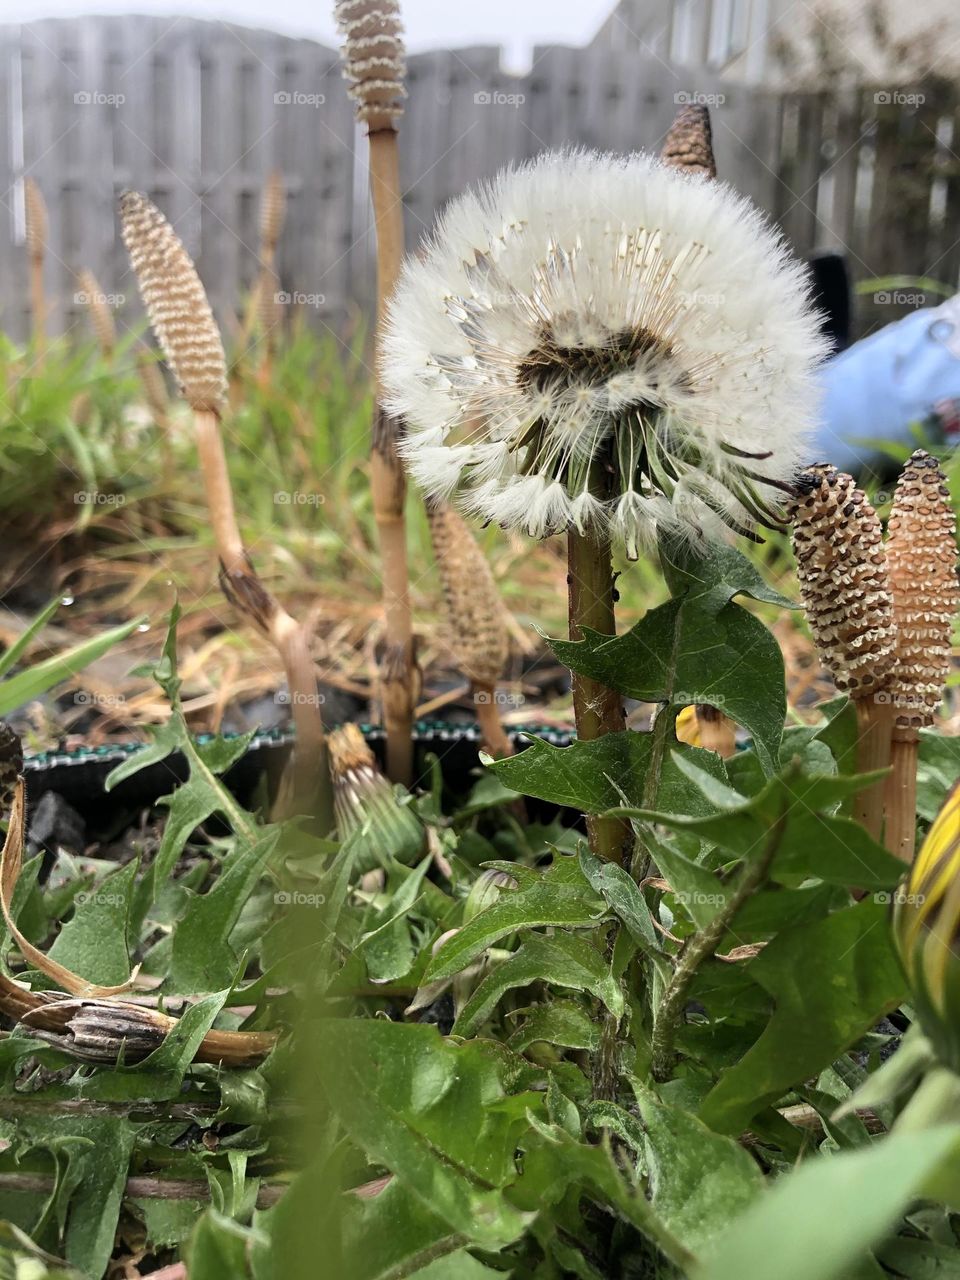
190	340
373	56
37	230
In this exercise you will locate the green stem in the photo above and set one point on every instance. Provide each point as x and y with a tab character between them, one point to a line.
700	948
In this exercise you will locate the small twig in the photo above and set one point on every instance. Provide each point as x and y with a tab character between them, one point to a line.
144	1188
19	1105
699	948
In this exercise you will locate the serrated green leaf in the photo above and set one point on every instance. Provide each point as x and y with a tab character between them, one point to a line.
563	960
834	849
687	651
202	957
560	1022
560	895
832	981
438	1116
595	776
698	1180
619	890
713	573
94	943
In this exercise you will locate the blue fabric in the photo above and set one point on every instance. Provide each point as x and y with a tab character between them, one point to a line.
882	385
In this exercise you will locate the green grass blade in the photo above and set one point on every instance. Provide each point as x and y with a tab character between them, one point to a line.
52	671
12	656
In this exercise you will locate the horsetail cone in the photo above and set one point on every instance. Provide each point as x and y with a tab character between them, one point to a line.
689	142
176	303
36	222
101	314
475	616
841	565
922	567
373	59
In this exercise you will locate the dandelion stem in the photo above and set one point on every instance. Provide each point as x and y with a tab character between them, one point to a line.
598	709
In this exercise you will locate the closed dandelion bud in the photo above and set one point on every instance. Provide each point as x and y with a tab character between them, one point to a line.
367	806
841	565
101	314
37	223
689	142
927	931
922	566
373	59
176	303
475	615
485	891
272	210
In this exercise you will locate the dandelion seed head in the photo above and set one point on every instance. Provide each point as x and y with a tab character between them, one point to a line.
590	312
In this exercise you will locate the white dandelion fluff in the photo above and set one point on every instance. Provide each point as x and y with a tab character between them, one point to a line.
604	343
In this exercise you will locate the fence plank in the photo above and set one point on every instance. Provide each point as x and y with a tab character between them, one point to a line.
208	110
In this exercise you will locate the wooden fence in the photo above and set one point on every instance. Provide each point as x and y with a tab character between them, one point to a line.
196	114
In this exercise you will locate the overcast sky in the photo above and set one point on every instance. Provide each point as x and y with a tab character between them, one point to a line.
515	24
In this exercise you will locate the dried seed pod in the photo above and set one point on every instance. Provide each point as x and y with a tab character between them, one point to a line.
838	542
366	803
689	142
37	223
176	303
475	617
922	567
101	313
373	57
273	207
99	1030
